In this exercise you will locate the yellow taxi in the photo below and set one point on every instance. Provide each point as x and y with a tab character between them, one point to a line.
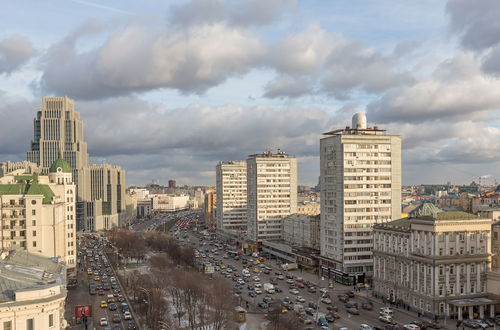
104	304
284	310
222	266
256	270
97	278
89	271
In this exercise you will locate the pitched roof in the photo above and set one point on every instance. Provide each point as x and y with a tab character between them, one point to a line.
62	164
425	209
28	189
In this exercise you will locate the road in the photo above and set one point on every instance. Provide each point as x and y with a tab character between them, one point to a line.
346	320
81	296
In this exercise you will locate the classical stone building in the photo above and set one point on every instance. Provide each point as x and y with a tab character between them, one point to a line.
434	262
37	212
33	292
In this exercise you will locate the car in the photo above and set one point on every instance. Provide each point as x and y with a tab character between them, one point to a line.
471	324
310	311
256	279
278	289
267	299
124	307
313	305
350	294
258	291
104	304
131	325
112	307
127	315
351	305
100	292
258	285
290	281
89	271
322	321
263	305
117	318
386	310
294	291
367	305
311	289
343	298
300	299
411	327
483	324
365	327
103	321
117	327
353	311
385	319
327	301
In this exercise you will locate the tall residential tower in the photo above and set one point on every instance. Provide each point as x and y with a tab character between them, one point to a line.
271	193
360	186
231	195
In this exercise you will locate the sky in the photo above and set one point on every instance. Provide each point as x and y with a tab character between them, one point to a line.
167	89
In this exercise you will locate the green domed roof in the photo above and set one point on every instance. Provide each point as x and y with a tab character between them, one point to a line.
60	163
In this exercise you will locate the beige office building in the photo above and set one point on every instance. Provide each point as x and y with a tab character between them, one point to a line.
360	186
33	292
209	207
271	194
38	212
231	194
58	133
104	193
435	262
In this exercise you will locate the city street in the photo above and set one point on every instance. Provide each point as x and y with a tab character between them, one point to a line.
346	320
81	295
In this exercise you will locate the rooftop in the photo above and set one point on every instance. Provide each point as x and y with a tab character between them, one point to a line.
21	270
28	189
60	164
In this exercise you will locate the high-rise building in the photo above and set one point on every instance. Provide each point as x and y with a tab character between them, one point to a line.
103	189
172	183
271	193
360	186
231	186
37	212
100	189
209	208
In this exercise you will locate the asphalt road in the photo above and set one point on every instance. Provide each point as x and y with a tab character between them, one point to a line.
347	320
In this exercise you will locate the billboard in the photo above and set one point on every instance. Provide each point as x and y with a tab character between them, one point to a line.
85	310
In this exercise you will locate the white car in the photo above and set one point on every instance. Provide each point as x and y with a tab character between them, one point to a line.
127	316
103	321
258	291
385	318
411	327
294	291
365	327
256	279
300	299
386	310
258	285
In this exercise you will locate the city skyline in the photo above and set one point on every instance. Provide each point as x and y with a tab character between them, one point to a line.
189	90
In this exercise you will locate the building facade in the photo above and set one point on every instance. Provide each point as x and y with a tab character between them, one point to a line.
302	230
33	292
309	208
271	194
231	195
37	213
435	263
169	203
360	186
209	207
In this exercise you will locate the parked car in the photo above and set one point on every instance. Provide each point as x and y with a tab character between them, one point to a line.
367	305
353	311
365	327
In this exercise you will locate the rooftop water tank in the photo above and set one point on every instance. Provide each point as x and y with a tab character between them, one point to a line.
359	120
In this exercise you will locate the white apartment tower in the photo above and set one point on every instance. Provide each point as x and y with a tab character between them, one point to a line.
271	193
231	195
360	186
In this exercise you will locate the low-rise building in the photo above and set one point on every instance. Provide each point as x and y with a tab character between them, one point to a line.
33	292
434	262
301	230
309	208
170	203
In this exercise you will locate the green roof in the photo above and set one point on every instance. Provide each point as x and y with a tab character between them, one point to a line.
28	189
425	209
455	215
401	223
26	177
62	164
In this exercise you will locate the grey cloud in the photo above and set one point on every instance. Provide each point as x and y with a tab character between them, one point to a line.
476	23
288	86
457	89
15	51
236	13
136	59
16	124
491	62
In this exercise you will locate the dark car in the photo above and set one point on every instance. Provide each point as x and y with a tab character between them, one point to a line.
278	289
263	304
367	305
313	305
310	311
131	325
117	327
353	311
124	307
350	294
112	307
343	298
117	318
351	305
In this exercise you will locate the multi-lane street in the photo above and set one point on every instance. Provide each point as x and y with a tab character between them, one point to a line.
294	287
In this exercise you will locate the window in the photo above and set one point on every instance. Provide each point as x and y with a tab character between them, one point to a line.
440	251
452	269
33	212
7	325
452	251
472	250
51	320
30	324
472	268
34	233
34	243
33	222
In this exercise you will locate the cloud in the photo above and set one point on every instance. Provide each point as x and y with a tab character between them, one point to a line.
457	89
475	22
335	66
136	59
16	124
230	12
15	51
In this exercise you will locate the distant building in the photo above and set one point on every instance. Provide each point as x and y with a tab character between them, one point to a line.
209	208
27	167
172	183
434	262
302	230
309	208
360	186
495	246
33	291
144	208
231	194
37	212
170	203
271	194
